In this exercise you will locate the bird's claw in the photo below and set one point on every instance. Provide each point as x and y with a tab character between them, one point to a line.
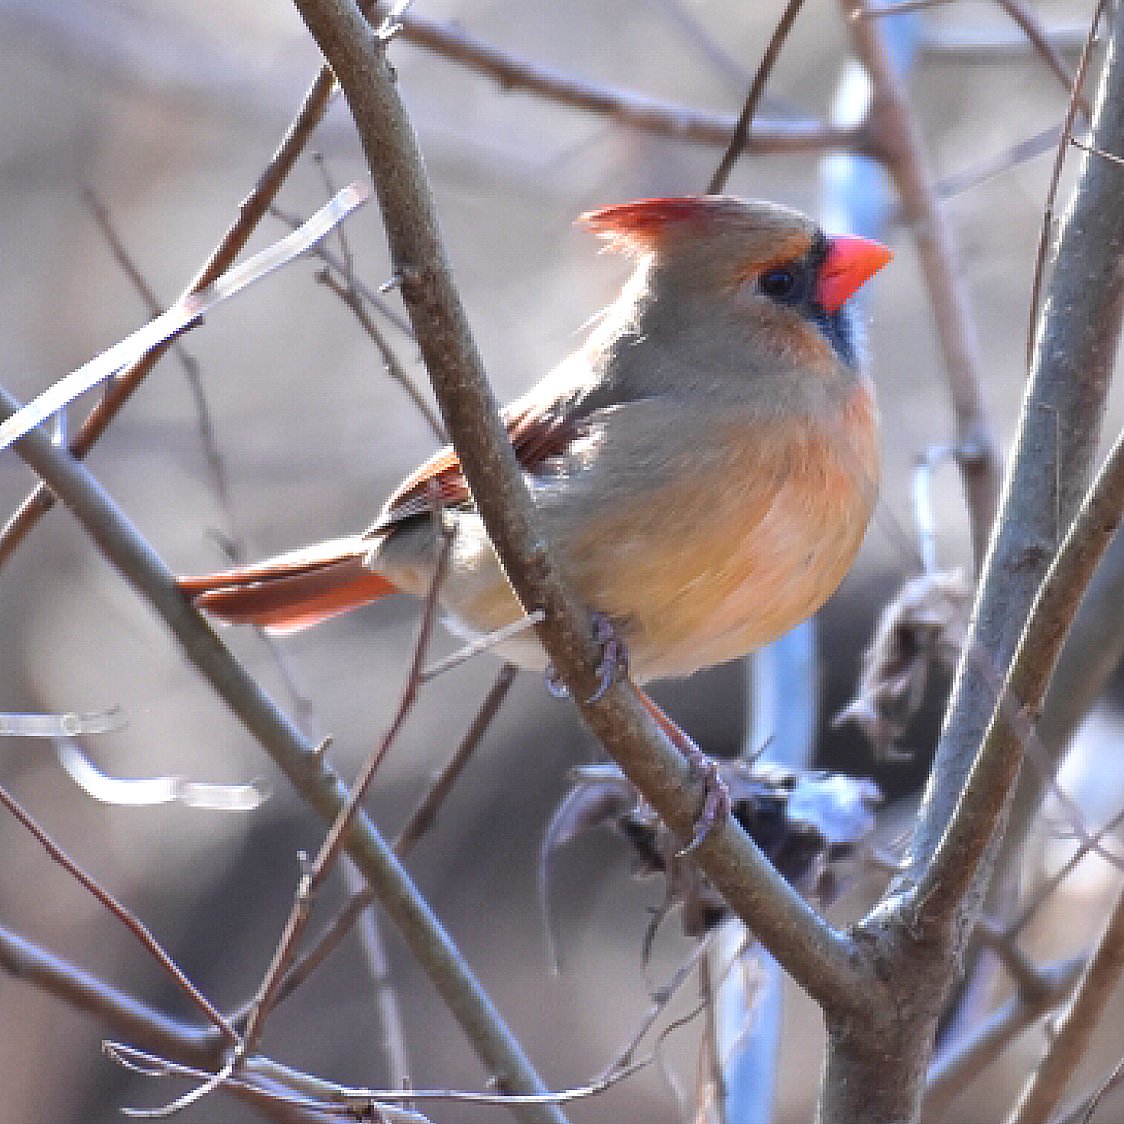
554	683
612	666
716	804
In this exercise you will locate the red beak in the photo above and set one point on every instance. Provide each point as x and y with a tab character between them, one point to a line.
850	261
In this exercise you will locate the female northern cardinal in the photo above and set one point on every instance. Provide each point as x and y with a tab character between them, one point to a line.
705	466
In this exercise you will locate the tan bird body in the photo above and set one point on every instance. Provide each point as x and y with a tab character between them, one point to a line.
705	466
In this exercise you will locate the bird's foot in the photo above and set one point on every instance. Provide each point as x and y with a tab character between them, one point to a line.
612	666
716	802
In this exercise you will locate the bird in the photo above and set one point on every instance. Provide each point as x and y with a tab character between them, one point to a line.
705	465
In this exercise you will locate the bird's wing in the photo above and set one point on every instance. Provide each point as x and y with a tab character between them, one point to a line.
537	432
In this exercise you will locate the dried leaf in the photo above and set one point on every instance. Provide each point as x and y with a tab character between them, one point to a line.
807	824
924	626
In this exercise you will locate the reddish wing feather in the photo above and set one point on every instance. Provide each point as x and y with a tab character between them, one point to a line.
536	434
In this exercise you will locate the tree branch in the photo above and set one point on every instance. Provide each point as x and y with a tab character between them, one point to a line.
1056	443
251	211
896	141
626	107
1071	1036
294	754
974	1052
120	1013
821	960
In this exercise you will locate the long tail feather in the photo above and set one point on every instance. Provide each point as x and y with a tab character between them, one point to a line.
292	591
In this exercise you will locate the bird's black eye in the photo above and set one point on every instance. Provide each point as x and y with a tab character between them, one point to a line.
778	282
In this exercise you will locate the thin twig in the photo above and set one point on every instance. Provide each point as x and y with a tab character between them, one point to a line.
1093	151
1055	178
625	107
334	262
900	8
370	1104
1031	27
387	1007
125	916
351	297
481	644
1030	148
216	463
897	141
296	756
256	1089
250	213
416	826
1026	20
973	1052
1067	1045
424	814
820	957
1084	848
271	1087
232	541
1025	624
332	847
753	99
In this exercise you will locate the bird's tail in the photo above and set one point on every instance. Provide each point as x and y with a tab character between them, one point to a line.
292	591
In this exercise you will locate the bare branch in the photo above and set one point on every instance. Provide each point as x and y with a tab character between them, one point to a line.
294	754
350	296
416	826
336	263
897	142
124	1015
1057	440
220	477
1030	148
1055	178
753	98
977	1050
1071	1036
821	959
312	882
292	1100
250	213
125	916
623	106
1032	28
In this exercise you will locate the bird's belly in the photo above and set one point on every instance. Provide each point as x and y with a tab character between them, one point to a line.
727	565
699	573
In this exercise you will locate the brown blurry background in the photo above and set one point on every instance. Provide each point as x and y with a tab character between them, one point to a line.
169	113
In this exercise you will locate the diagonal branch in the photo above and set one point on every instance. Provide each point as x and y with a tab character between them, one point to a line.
293	753
971	1054
626	107
253	208
1057	440
822	960
331	848
753	99
1071	1036
131	922
897	143
957	858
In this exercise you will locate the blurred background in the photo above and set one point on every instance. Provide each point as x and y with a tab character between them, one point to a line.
168	113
